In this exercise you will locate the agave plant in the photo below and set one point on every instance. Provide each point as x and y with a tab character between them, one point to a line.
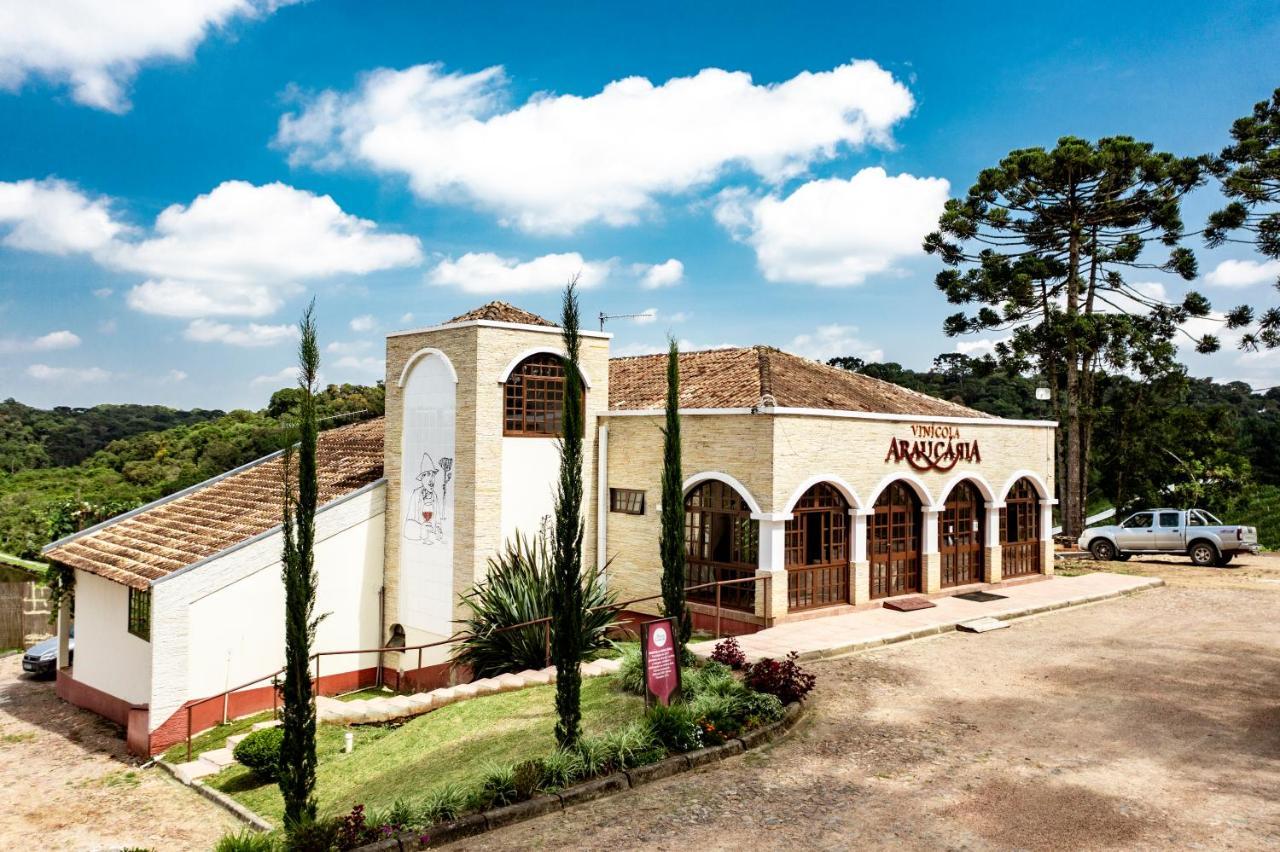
517	589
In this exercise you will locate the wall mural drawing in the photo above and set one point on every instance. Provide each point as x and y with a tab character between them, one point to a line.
427	489
428	505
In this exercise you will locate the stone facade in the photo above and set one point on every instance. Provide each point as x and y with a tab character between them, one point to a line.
480	353
775	457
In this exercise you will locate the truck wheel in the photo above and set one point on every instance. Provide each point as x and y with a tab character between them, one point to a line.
1102	550
1203	554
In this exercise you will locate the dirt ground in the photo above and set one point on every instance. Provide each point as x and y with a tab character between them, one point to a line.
67	782
1151	722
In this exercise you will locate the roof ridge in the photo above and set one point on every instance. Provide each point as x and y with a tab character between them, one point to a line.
766	375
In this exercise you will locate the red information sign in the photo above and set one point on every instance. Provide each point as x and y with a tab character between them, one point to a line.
661	666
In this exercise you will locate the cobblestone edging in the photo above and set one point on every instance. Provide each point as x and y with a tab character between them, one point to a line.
587	791
218	798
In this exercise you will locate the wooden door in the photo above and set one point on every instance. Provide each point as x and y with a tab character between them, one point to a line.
960	536
893	543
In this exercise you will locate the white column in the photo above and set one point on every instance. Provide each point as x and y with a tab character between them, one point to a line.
602	500
929	542
859	517
1046	536
64	629
993	525
773	541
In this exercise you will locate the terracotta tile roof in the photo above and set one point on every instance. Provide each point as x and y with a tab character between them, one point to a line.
174	533
501	312
762	375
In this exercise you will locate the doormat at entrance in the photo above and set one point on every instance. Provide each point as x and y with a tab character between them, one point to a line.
981	597
909	604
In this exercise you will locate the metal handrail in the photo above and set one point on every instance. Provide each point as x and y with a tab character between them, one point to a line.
455	638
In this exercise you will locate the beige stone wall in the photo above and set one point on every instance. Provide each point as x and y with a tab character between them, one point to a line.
479	354
774	455
736	445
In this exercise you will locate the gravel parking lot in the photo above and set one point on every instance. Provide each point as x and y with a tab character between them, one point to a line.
1151	722
69	783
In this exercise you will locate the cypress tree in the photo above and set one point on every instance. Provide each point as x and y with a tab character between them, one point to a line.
566	601
671	542
297	771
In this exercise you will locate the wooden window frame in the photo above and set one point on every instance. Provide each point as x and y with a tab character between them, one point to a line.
711	506
626	501
139	614
824	582
897	520
540	379
961	542
1020	554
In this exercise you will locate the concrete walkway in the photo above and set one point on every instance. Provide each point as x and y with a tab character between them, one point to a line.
840	634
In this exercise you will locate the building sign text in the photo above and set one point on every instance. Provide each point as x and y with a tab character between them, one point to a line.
933	447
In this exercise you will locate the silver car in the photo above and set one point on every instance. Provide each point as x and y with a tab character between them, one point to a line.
1193	532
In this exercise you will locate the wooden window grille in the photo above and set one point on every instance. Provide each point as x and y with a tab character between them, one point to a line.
893	543
533	398
1020	547
817	550
627	501
140	613
960	525
722	542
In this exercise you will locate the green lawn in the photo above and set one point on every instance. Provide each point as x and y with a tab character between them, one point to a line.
456	743
214	738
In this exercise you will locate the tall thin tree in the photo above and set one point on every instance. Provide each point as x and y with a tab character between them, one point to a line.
297	771
566	613
671	541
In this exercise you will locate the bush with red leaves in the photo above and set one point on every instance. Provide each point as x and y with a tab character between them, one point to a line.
728	652
783	678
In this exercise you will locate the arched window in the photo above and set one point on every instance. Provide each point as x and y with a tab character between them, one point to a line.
817	550
893	543
1020	548
722	542
960	536
533	397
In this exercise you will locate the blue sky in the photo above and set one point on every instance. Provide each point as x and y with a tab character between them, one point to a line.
173	188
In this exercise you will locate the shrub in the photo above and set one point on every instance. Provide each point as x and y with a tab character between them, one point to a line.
719	716
622	748
729	653
759	708
247	840
314	836
783	678
517	589
498	787
560	769
443	804
526	777
351	830
674	727
260	751
630	676
712	678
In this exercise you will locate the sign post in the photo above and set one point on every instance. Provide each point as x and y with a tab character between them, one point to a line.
661	662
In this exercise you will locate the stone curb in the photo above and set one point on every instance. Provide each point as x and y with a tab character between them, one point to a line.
922	633
587	791
218	798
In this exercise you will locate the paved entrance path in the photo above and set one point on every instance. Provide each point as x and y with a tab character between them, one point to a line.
839	634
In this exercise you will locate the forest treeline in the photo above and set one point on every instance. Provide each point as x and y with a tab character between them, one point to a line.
68	468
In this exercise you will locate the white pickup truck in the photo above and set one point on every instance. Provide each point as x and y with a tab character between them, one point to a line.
1193	532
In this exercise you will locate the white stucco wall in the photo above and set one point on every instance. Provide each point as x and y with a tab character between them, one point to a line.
530	470
108	657
221	623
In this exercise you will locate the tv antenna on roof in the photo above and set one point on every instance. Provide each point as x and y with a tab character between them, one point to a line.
604	316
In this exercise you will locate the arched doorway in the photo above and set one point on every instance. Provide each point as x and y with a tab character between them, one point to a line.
722	542
817	550
1020	546
960	538
893	542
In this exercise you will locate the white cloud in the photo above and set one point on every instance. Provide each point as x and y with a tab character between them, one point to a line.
558	162
45	343
646	316
176	376
488	273
103	292
364	322
836	232
251	335
1243	273
235	251
368	364
96	48
680	316
406	318
665	274
287	376
67	375
832	341
53	217
979	347
348	347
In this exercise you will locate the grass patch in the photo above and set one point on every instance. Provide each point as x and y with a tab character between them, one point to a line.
456	744
14	739
214	738
367	692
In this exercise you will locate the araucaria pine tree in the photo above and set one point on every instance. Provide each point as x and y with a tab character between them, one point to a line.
566	601
297	771
671	542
